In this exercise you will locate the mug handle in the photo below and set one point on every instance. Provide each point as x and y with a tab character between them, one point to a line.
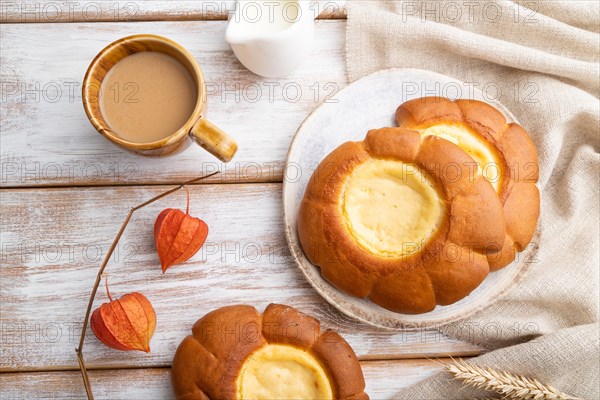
213	139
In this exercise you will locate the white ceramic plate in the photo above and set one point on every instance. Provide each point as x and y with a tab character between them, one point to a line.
366	104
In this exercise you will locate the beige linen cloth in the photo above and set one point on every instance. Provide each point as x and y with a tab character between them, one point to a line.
542	60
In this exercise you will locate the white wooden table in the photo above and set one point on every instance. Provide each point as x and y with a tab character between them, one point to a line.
66	190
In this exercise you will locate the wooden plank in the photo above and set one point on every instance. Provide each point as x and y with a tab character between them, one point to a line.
48	141
383	379
53	241
50	11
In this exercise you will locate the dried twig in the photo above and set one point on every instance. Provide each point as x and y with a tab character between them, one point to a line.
510	386
79	349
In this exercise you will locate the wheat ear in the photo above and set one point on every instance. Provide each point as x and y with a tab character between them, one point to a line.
510	386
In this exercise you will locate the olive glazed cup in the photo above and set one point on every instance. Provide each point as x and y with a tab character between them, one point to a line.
197	128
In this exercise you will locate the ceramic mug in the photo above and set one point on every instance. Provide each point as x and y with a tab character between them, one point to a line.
197	128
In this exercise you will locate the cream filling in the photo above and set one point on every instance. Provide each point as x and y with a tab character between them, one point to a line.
480	150
278	371
390	207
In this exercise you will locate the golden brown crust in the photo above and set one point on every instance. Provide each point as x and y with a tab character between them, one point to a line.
472	223
207	363
448	163
451	283
469	207
520	208
406	290
503	255
341	364
519	162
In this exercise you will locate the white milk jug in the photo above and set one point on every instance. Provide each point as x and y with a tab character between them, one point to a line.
271	38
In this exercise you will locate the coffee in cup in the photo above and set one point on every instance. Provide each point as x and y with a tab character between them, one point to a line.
147	94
